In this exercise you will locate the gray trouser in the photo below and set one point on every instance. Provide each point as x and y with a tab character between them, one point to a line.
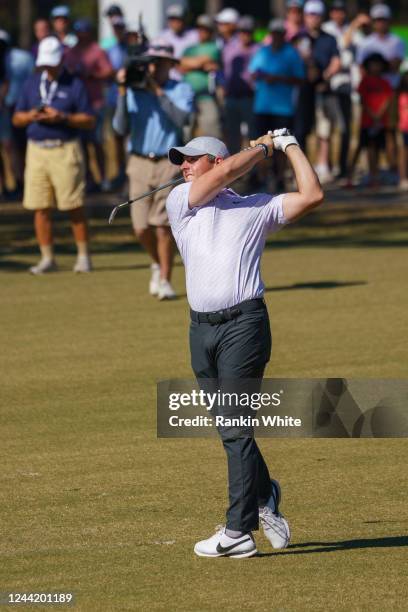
237	349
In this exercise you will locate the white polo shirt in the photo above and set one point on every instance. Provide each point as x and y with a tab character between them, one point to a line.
221	244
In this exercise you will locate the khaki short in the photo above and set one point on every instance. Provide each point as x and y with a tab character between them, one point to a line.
146	174
54	176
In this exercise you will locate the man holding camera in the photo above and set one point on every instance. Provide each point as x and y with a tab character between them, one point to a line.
152	109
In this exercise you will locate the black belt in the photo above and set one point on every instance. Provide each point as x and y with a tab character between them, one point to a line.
151	156
227	314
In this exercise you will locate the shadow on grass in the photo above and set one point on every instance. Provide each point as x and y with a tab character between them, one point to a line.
325	547
316	285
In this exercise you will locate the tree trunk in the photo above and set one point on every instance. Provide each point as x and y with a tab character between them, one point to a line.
25	18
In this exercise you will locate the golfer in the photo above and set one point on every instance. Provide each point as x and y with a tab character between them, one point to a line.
221	236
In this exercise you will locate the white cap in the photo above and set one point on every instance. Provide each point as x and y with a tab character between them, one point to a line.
314	7
202	145
49	52
380	11
227	15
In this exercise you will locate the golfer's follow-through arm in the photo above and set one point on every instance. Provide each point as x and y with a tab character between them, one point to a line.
296	204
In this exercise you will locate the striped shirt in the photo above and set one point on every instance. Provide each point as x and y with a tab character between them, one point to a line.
221	244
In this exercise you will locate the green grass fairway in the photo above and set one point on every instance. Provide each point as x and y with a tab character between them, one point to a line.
92	502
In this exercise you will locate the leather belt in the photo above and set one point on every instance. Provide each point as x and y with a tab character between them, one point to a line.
227	314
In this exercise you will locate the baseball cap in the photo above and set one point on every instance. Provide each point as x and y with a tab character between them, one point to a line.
175	11
49	52
5	37
380	11
60	11
227	15
205	21
314	7
338	5
118	21
82	25
294	4
277	25
246	24
113	9
202	145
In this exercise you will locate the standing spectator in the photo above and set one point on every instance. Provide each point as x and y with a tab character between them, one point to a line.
53	106
403	127
91	63
321	55
294	19
227	23
199	64
376	96
238	85
178	35
61	24
154	118
41	29
117	54
113	12
5	134
340	83
277	70
19	67
392	48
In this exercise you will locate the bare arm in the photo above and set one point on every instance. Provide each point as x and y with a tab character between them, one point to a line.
207	186
309	194
333	68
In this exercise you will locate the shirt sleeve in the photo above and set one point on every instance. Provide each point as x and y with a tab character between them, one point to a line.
23	103
255	63
274	216
399	49
182	96
177	207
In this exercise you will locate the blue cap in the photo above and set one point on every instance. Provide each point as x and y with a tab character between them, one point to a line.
60	11
82	25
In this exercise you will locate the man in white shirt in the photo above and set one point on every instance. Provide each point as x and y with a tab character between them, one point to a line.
221	236
177	35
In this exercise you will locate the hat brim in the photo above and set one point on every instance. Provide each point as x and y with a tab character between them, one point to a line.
176	154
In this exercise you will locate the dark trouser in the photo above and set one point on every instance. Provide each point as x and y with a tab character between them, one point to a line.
345	110
237	349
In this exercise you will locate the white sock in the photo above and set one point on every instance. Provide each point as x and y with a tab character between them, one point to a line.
46	251
82	249
234	534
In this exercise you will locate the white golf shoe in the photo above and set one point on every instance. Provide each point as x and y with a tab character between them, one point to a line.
154	283
166	291
275	526
83	264
44	266
221	545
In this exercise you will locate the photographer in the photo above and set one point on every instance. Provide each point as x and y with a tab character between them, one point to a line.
152	109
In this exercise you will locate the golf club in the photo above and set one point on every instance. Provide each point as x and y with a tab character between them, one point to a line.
175	181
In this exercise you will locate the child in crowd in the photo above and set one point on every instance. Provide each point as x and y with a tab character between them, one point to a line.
403	127
376	96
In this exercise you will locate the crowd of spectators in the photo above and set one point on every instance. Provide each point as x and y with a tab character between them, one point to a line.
307	72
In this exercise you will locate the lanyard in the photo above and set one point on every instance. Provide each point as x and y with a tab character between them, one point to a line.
47	98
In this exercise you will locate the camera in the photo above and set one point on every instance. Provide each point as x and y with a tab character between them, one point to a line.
136	70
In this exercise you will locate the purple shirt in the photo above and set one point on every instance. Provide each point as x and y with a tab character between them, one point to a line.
236	58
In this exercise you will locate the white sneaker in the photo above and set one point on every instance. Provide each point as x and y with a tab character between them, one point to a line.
275	526
154	279
83	264
166	291
221	545
44	266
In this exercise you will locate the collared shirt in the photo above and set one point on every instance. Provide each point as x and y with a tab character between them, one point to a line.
70	97
236	58
179	42
151	129
221	244
319	49
276	98
89	62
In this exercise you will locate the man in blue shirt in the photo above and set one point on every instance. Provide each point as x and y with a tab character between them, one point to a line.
53	106
153	114
277	69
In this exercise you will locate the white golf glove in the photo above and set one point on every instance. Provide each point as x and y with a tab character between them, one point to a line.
282	139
